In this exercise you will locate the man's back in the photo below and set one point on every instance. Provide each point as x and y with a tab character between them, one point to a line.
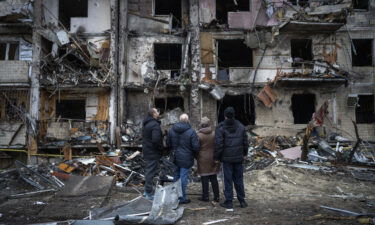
151	138
184	141
230	141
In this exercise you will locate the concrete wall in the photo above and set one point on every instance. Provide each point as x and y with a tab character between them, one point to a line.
141	57
141	24
8	129
138	103
98	20
14	71
51	12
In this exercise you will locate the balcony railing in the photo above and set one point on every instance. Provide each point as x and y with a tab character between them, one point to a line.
58	132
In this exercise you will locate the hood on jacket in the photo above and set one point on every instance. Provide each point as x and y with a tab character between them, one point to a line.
148	119
230	125
205	130
181	127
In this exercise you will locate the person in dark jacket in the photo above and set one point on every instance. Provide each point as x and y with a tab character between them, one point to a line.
152	149
231	146
207	167
184	142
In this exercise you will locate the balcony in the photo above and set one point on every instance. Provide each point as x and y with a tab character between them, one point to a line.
55	133
12	72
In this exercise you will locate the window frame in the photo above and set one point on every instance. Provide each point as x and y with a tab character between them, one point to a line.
7	49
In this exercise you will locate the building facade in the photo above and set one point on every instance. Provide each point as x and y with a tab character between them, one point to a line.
81	75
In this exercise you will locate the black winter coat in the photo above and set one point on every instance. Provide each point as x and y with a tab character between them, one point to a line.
152	139
183	140
231	143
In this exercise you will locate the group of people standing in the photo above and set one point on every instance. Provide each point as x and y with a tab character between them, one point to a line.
224	147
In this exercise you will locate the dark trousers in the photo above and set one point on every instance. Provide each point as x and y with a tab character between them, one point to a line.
151	169
233	174
205	186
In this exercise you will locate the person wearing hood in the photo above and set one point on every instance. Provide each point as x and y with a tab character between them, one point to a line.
184	142
207	167
152	150
231	146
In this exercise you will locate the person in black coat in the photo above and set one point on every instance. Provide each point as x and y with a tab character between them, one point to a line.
183	140
231	146
152	149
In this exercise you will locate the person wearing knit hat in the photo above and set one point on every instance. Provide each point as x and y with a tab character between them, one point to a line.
229	112
207	167
231	146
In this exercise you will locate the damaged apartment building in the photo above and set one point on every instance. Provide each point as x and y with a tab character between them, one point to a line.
78	75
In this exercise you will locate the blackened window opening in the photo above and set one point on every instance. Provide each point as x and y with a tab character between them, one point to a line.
71	109
360	4
168	57
303	107
234	53
169	103
46	46
362	52
364	112
9	51
301	51
225	6
302	3
243	106
13	110
72	8
169	7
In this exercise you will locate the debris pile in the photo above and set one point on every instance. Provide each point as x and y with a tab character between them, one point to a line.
74	132
72	60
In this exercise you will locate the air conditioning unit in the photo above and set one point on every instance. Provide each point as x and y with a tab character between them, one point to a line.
352	100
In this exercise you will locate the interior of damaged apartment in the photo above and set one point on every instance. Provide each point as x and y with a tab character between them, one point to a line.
78	78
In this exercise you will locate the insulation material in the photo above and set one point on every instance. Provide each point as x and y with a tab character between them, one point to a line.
207	56
103	107
267	96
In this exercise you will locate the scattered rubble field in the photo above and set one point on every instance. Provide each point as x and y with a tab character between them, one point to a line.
278	194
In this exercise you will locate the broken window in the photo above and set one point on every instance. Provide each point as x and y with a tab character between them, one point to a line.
168	57
71	109
9	51
243	106
46	46
301	51
360	4
169	103
72	8
365	112
13	110
166	8
225	6
303	107
362	52
13	105
234	53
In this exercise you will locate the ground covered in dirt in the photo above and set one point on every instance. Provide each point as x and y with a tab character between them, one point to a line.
278	194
